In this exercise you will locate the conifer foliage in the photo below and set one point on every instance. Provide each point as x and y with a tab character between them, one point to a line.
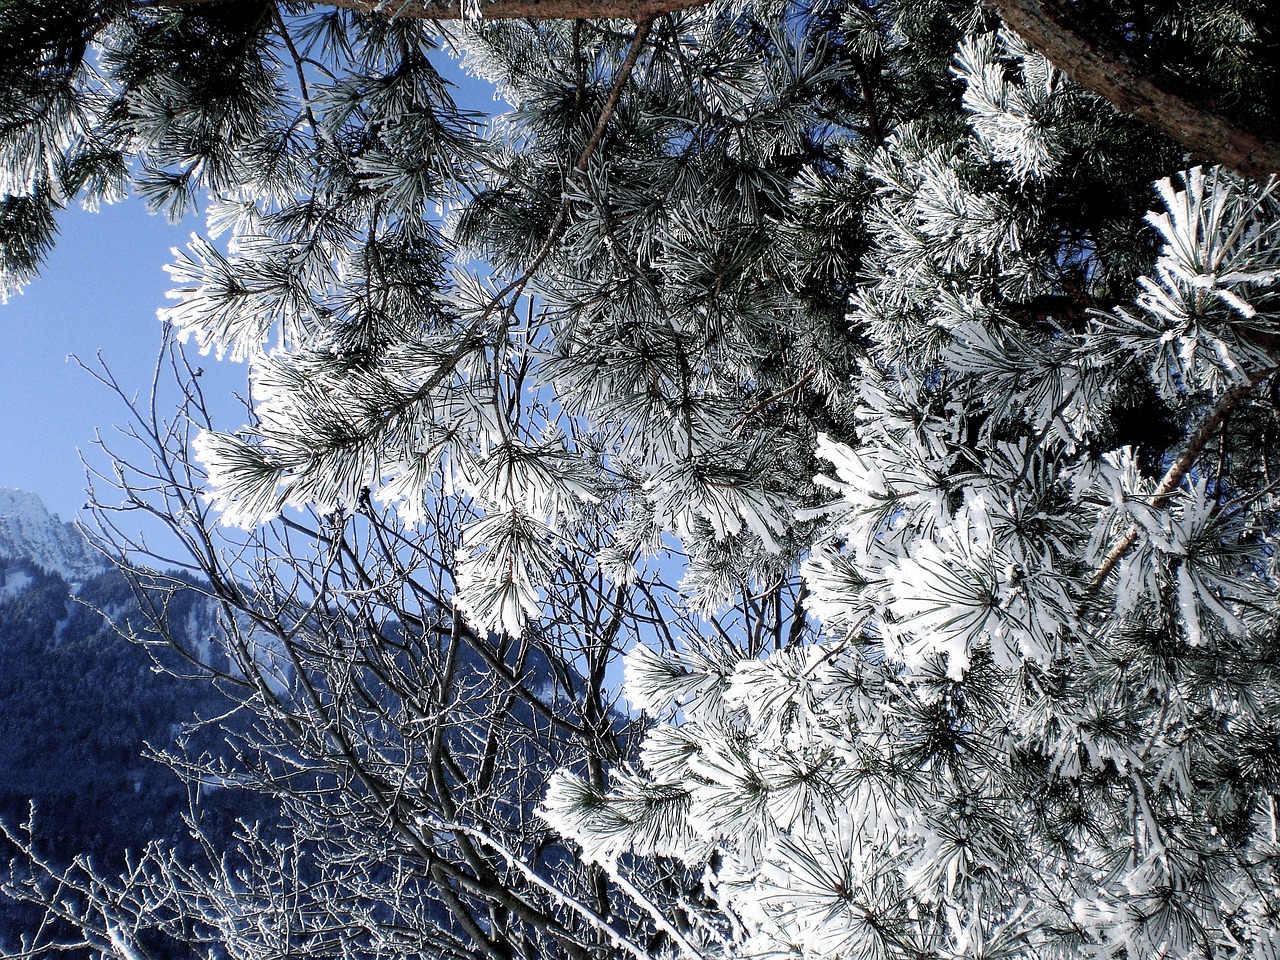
946	391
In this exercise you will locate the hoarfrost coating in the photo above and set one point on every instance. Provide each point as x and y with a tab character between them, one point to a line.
897	415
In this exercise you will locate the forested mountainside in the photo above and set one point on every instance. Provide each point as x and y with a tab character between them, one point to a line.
79	703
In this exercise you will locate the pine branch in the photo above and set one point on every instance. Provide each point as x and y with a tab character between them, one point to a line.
636	10
780	395
1107	71
469	338
516	286
643	28
1177	472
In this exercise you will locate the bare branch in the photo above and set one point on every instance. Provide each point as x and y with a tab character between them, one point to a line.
1177	472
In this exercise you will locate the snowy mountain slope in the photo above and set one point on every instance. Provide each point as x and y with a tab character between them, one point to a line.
29	532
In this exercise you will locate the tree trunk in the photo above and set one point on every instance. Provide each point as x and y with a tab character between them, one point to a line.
1046	26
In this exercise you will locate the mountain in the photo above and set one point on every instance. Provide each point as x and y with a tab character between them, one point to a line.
29	532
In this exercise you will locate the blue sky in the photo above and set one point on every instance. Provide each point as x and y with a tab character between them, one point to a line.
98	293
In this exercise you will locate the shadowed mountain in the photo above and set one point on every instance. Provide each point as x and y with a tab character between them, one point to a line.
79	702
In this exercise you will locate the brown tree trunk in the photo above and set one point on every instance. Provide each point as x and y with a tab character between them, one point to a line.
1046	26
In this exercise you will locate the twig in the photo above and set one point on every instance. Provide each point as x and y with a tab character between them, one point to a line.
737	424
1177	473
637	10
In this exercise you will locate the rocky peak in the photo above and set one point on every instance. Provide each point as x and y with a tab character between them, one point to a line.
29	532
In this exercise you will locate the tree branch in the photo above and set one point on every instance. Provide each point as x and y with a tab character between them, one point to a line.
1176	473
637	10
1107	71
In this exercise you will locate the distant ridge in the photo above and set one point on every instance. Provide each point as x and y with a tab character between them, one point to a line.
79	703
29	532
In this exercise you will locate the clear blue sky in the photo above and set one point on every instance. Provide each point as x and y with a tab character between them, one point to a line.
98	293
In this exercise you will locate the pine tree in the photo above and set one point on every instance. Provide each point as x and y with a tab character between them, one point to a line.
944	389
